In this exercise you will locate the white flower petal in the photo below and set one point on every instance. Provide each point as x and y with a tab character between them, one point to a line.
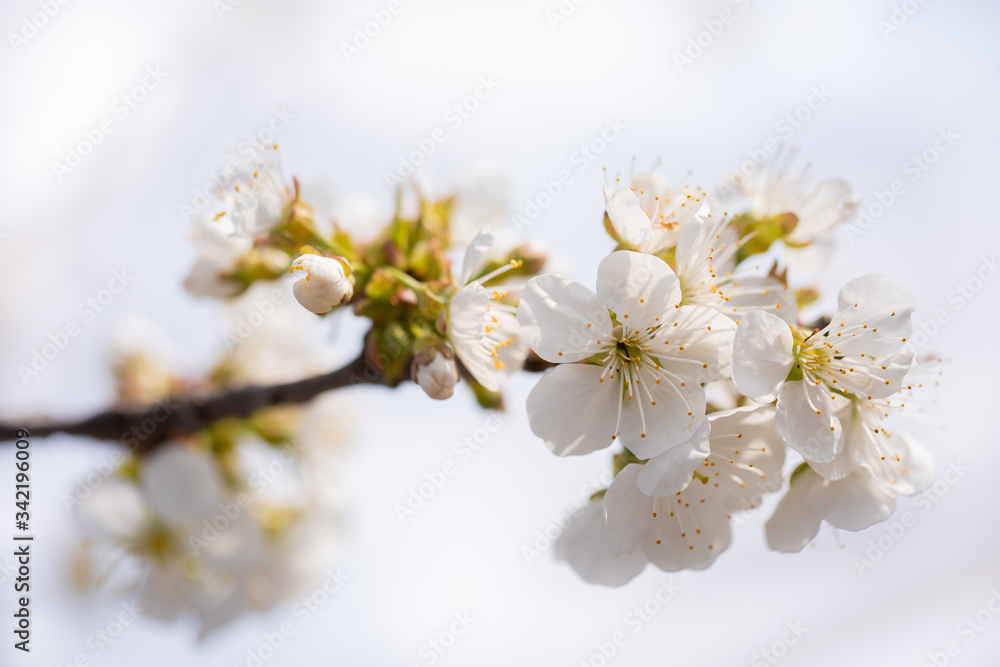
840	467
795	522
684	531
476	252
806	421
807	264
639	288
626	509
876	311
693	536
584	545
562	321
630	223
913	465
853	503
874	378
467	314
572	410
166	592
705	247
476	335
761	293
696	343
182	485
206	279
678	414
896	461
762	355
823	208
115	510
671	471
747	457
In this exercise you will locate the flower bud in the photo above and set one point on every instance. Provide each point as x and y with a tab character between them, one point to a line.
434	369
327	282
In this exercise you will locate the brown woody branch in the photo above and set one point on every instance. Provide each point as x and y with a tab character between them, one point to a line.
144	429
185	416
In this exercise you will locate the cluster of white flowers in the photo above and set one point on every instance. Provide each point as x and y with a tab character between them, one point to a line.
189	541
684	304
692	358
233	520
252	201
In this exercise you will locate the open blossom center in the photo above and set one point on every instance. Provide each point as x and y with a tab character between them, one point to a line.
496	335
629	360
821	360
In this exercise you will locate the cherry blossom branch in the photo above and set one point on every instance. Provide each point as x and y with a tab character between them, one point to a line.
185	416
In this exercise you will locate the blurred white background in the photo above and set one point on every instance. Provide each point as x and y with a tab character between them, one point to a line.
890	94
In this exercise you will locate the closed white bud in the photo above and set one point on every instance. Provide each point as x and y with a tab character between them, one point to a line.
436	372
326	283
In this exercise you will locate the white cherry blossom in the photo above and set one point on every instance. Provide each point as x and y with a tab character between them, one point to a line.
819	207
686	526
256	194
252	199
645	357
852	502
860	355
649	214
481	324
860	486
139	529
584	545
706	267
